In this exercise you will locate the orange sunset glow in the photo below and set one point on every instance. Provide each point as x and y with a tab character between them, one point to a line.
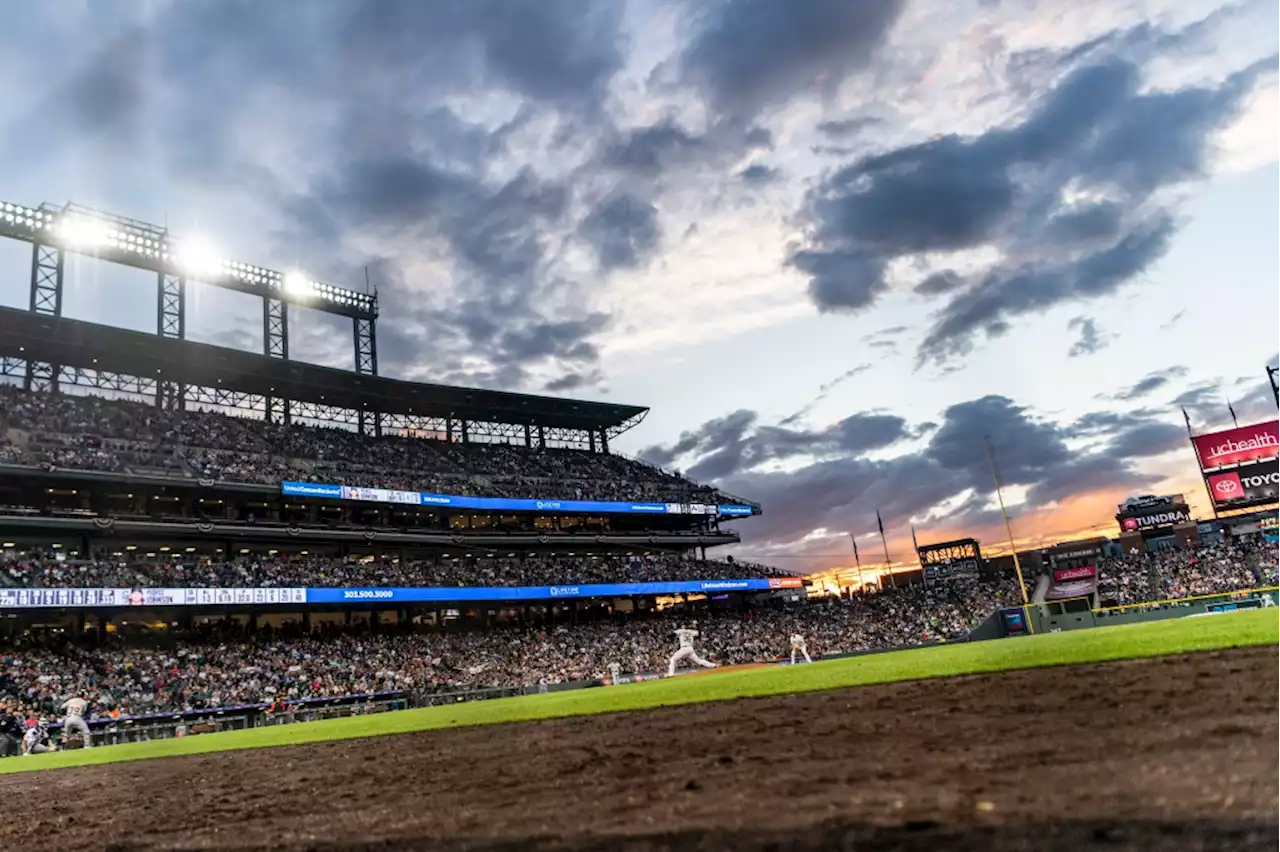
1088	515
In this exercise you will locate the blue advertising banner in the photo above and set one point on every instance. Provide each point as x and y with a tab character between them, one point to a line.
503	504
465	594
156	597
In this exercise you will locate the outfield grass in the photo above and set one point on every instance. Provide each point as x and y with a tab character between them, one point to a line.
1175	636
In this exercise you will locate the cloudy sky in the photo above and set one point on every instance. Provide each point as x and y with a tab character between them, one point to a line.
831	244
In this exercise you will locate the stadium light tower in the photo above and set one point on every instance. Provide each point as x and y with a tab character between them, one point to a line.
53	231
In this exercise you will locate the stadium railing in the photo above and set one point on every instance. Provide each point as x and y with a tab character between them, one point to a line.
155	726
1216	597
242	717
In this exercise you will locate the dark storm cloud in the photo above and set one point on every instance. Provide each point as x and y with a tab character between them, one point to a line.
557	53
823	391
749	54
1151	383
647	151
1132	434
758	174
1148	439
845	128
185	86
1089	337
571	381
1030	287
1097	128
737	442
939	283
841	488
1028	448
623	231
495	235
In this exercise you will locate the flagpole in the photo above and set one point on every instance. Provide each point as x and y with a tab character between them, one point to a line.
920	559
893	581
1008	527
1191	436
862	585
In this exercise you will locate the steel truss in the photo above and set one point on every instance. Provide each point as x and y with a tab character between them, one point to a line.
47	266
365	333
40	377
45	377
330	415
144	246
275	328
366	346
416	426
201	396
105	381
171	315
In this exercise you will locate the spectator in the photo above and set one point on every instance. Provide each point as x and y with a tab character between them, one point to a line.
92	433
41	570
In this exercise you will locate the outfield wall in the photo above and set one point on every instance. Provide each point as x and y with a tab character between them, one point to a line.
1063	615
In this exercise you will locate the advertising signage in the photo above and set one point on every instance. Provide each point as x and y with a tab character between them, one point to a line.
1140	515
505	504
1237	446
1072	583
950	551
106	598
1251	483
950	559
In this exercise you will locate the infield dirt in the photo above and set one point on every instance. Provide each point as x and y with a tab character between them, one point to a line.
1174	753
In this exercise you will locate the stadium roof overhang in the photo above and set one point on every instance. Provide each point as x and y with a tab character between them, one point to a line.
92	346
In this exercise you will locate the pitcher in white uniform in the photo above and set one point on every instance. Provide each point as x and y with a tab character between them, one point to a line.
74	724
798	646
686	635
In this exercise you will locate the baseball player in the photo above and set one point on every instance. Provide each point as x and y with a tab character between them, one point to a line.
73	724
797	645
36	739
615	672
686	635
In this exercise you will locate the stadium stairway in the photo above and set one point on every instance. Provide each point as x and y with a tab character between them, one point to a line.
1042	588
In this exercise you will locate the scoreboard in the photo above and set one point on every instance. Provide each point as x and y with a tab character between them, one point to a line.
950	559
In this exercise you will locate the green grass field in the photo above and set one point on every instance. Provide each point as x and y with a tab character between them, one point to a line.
1175	636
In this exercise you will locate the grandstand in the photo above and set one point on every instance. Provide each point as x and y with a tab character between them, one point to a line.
159	440
198	532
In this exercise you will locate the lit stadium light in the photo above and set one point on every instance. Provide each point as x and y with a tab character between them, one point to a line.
131	242
85	233
297	284
197	259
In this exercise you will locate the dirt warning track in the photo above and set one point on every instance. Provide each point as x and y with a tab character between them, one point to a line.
1176	753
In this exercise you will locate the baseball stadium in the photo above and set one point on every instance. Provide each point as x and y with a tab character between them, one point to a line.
253	603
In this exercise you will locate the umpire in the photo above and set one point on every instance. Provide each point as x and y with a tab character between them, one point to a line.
10	731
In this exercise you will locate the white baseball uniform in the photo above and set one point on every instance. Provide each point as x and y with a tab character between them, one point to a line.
74	724
686	636
797	645
34	741
615	671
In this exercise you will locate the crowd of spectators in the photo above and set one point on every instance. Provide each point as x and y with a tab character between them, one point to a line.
1181	572
225	667
94	433
45	570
